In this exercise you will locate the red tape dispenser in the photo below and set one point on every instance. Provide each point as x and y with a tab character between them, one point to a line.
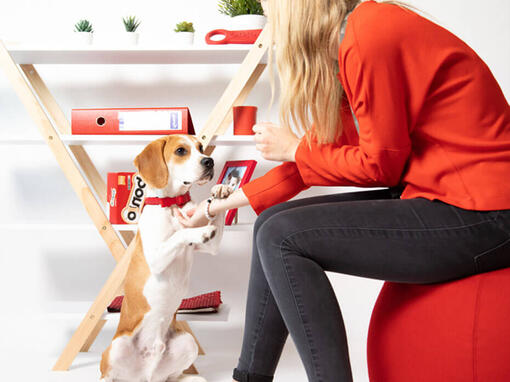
233	37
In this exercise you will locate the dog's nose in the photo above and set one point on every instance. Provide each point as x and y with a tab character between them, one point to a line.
207	162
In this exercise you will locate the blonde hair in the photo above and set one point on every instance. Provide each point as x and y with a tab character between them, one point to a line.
304	34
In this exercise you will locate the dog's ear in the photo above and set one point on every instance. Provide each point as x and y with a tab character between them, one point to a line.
151	164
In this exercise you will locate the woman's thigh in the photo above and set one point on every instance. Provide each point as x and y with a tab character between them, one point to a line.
404	240
385	193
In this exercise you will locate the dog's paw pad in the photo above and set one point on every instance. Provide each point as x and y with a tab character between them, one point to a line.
209	233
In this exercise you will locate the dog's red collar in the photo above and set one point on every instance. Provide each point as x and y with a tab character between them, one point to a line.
168	202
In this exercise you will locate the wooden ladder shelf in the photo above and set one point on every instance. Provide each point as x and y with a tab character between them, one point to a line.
90	188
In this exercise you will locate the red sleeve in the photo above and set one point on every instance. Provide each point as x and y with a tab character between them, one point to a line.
278	185
374	84
284	182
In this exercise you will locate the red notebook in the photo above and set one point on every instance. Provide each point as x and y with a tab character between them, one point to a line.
129	121
208	302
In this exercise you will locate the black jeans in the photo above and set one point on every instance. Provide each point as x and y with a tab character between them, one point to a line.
369	233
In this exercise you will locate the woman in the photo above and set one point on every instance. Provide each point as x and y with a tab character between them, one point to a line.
434	128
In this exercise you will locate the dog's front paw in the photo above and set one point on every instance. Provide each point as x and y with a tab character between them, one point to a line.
208	234
221	191
201	235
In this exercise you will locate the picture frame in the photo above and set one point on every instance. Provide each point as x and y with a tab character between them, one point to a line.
236	173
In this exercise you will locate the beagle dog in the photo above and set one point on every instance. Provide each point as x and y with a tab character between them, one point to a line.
146	346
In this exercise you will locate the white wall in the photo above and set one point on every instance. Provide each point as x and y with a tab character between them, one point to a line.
40	267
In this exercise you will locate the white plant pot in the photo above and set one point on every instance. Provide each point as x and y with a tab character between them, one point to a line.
83	38
183	38
247	22
131	38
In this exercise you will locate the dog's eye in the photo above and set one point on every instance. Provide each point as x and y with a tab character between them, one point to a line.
201	148
181	151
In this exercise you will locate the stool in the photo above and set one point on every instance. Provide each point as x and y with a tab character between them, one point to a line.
457	331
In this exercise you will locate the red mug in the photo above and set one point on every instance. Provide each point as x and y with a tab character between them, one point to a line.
244	119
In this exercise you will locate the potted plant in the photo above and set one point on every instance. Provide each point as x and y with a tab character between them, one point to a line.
83	32
245	14
184	33
131	25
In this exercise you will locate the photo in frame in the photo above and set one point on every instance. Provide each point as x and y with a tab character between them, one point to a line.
235	174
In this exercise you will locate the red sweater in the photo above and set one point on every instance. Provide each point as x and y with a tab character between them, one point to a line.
431	117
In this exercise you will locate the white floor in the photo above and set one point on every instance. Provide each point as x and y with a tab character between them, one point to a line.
31	358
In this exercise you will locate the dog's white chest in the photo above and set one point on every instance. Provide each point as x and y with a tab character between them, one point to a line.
165	291
156	225
165	288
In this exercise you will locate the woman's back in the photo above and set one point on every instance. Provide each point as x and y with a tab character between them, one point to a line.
405	75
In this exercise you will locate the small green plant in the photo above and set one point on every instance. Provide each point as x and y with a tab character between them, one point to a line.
83	26
130	23
184	26
240	7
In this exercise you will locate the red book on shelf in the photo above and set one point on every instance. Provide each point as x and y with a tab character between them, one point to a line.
207	302
128	121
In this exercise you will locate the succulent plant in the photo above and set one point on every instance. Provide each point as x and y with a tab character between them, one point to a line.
83	26
131	23
184	26
240	7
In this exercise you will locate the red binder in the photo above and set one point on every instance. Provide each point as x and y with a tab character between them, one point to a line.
128	121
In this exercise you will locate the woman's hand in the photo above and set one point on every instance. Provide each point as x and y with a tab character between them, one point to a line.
275	142
194	217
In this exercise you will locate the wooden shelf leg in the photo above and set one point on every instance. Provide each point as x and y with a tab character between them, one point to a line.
222	128
94	315
92	336
239	101
67	163
35	96
87	167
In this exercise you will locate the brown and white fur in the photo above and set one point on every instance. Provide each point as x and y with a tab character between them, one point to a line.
146	347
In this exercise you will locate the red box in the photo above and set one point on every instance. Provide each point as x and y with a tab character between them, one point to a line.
128	121
125	194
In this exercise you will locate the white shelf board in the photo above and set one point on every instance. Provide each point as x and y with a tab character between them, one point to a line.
91	227
223	140
233	227
142	54
68	309
237	140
